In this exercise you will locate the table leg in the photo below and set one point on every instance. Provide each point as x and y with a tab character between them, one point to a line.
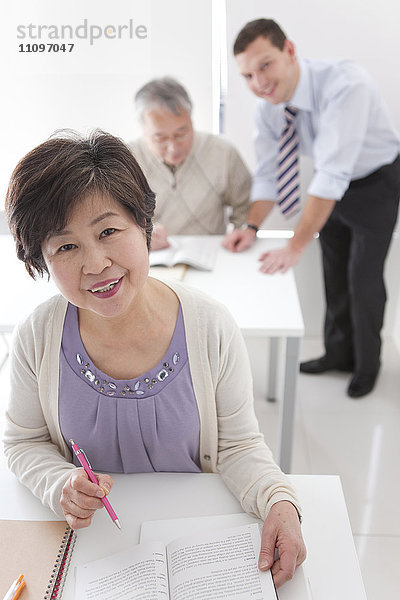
288	405
273	369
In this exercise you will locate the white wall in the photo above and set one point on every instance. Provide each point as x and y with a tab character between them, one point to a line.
363	30
93	86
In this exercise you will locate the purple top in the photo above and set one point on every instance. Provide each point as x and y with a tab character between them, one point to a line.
150	423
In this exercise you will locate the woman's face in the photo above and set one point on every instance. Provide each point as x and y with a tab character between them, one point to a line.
99	262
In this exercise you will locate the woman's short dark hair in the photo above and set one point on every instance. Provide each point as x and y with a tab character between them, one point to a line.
267	28
49	181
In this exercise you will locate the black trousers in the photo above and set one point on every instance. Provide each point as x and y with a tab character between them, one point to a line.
354	242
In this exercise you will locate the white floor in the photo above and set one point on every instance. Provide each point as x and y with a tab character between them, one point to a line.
356	439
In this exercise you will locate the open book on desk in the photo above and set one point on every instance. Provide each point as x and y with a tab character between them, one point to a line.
167	530
207	566
189	250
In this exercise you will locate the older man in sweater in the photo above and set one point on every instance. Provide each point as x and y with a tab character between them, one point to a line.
200	180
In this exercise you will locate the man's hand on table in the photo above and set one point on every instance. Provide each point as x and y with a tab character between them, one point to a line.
159	237
239	239
280	259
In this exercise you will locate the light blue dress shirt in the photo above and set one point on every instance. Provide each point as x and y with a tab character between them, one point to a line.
342	123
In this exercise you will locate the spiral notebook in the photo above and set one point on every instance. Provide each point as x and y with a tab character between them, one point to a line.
41	550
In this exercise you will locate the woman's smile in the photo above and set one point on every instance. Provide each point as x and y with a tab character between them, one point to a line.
106	289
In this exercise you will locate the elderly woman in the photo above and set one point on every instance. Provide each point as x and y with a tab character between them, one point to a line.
155	373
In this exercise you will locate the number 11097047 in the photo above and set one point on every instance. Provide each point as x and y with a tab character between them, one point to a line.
45	47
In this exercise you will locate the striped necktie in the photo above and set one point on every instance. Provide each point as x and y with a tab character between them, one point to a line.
288	178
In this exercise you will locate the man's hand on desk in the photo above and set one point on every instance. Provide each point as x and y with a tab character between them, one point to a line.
159	237
282	531
280	259
239	239
80	498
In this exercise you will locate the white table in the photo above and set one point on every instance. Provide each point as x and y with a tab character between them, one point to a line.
263	305
332	565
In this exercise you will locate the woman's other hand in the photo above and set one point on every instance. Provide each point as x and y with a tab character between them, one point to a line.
282	531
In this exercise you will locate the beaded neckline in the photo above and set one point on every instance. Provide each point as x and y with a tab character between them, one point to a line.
148	384
136	386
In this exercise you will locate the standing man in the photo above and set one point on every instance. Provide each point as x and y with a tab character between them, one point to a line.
199	179
331	111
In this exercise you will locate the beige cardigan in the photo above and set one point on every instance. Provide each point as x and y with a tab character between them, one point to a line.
230	441
194	198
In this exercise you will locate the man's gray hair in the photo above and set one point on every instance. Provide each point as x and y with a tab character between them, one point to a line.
165	92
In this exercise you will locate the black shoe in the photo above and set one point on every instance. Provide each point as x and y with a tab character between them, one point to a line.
361	385
323	364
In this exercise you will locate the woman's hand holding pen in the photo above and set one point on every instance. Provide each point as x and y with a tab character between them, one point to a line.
80	498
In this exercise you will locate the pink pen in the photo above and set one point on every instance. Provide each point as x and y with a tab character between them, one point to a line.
81	456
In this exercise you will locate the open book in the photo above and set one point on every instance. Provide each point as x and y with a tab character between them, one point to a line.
189	250
166	530
204	566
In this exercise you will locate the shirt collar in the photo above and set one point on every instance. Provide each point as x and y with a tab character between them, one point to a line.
303	96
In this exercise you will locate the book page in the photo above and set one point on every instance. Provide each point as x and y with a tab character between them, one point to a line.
196	253
165	256
168	530
189	250
219	565
139	573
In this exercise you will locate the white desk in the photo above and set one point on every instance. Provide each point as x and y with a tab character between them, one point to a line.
332	564
263	305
